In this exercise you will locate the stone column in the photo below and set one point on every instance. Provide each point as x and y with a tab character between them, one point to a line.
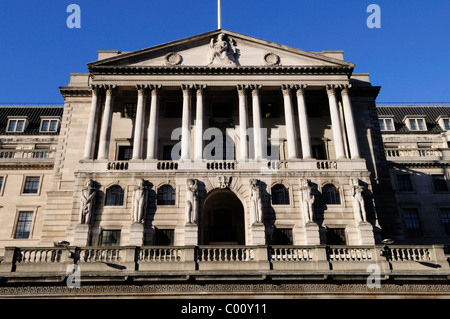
335	122
303	122
289	120
152	131
256	107
105	130
139	123
350	123
198	143
186	123
243	145
90	135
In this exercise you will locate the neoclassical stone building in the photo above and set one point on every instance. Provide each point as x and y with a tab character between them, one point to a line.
215	153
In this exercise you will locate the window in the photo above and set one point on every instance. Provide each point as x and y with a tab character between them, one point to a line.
16	125
49	125
331	195
129	110
164	237
445	218
110	238
167	152
335	236
417	124
404	183
282	236
386	124
166	195
280	195
318	152
124	153
221	109
1	184
114	196
269	110
174	109
446	124
439	183
31	185
23	227
412	223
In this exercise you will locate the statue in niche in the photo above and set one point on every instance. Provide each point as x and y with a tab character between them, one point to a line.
255	201
140	197
222	51
87	202
307	198
358	202
192	201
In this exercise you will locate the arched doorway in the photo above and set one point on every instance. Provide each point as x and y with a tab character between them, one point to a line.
222	219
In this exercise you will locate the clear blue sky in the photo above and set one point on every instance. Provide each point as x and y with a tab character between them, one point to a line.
409	56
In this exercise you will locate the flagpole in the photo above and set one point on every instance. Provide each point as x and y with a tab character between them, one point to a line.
219	15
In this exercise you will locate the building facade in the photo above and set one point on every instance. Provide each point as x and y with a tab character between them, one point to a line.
212	153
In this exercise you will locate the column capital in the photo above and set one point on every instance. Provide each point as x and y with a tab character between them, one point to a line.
142	88
154	89
96	89
242	88
186	88
331	89
345	88
300	89
199	88
255	88
286	89
110	89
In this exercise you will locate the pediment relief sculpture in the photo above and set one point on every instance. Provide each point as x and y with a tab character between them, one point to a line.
222	51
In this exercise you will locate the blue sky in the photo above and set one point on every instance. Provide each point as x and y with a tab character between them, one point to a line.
408	56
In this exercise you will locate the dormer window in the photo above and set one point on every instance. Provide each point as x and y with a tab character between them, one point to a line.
16	125
49	125
386	124
416	123
444	122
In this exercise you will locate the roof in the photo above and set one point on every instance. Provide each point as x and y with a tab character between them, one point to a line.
33	113
431	113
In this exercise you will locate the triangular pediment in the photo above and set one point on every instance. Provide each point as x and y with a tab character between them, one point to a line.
223	48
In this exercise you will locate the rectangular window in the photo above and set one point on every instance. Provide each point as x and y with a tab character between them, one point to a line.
174	109
404	183
417	125
1	184
282	236
412	223
49	125
167	152
23	225
110	238
439	183
386	125
129	110
31	185
447	124
124	153
164	237
16	126
445	218
336	236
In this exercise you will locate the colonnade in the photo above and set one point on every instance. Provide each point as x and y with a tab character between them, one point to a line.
288	91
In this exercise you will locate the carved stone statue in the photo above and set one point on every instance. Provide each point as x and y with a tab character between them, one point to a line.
140	198
255	201
192	201
87	202
307	199
222	51
358	203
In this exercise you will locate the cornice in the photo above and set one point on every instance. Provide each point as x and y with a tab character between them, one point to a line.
207	70
75	92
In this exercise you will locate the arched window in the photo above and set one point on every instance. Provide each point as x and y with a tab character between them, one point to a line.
280	195
331	195
114	196
166	195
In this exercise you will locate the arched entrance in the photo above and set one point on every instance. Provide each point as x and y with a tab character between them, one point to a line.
222	219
